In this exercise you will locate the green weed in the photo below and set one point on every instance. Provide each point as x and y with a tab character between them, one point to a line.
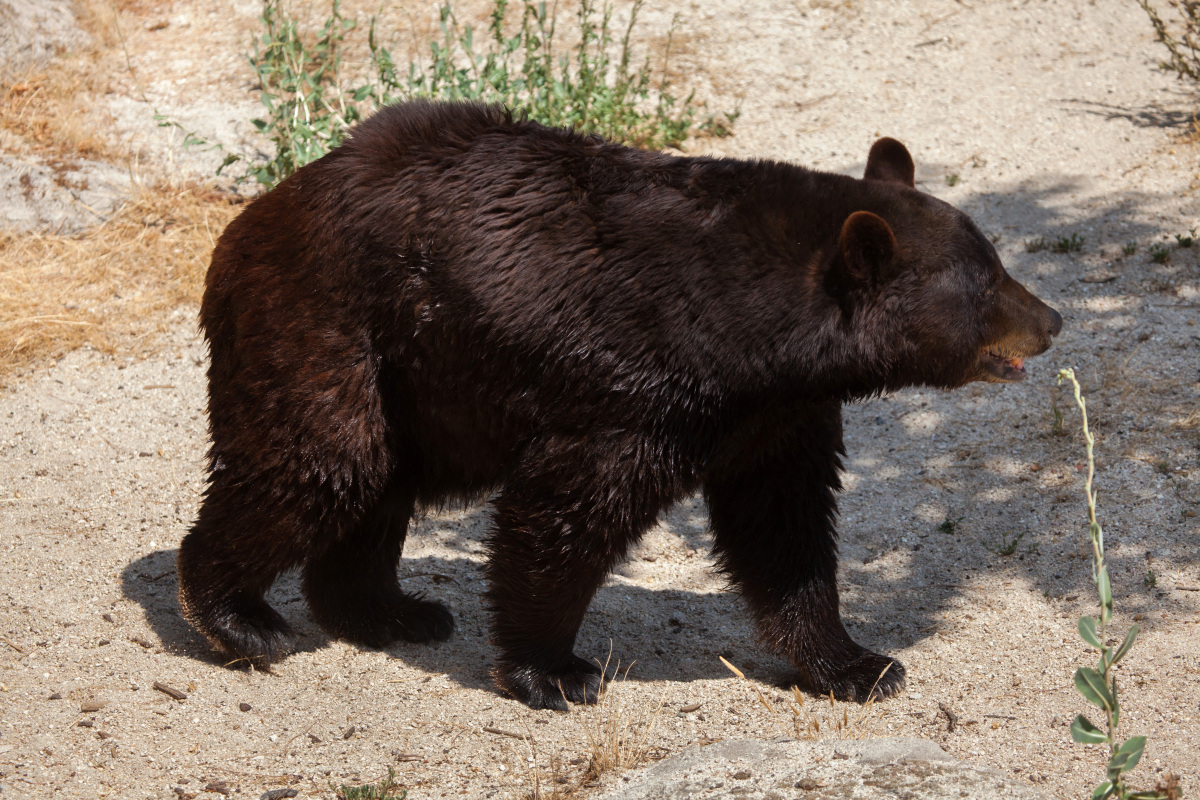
308	111
1129	248
952	179
1151	580
1186	239
948	525
595	85
1159	253
1006	547
1036	245
386	789
1067	244
1099	686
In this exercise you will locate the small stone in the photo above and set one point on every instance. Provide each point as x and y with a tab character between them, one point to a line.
741	775
56	696
807	784
92	706
244	706
690	708
278	794
84	723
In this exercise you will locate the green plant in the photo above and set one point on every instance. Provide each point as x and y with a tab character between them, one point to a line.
1129	248
1159	253
308	111
952	179
1067	244
1186	240
1006	547
1151	580
948	525
384	790
1099	686
593	86
1036	245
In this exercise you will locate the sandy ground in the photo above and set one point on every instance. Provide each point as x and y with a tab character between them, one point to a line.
1054	121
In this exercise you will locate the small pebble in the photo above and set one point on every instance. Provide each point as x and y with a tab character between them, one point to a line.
742	775
56	696
244	706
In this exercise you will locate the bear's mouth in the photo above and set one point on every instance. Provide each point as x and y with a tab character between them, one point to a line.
1003	367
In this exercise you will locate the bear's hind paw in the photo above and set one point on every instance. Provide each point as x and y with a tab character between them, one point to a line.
422	621
256	640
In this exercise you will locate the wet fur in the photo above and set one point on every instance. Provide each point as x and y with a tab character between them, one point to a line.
455	304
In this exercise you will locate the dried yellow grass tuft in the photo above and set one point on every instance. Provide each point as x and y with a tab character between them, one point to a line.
112	286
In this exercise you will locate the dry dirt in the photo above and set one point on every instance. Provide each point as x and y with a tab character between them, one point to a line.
1042	119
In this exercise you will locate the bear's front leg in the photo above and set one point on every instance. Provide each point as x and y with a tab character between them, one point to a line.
772	509
559	529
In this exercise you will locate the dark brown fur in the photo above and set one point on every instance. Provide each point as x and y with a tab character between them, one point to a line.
455	304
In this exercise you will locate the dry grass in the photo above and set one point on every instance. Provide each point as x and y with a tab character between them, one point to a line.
619	732
51	110
112	286
814	720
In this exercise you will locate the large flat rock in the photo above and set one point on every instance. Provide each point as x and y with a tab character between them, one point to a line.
909	768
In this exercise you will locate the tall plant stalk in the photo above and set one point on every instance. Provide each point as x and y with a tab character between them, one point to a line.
1099	686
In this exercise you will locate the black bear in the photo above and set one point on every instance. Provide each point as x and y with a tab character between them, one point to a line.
459	305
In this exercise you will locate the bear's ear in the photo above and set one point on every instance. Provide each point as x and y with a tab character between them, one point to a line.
890	161
868	247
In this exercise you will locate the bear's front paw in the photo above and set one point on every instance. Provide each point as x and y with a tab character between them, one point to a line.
870	676
577	681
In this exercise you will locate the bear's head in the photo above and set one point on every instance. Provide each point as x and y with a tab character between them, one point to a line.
929	281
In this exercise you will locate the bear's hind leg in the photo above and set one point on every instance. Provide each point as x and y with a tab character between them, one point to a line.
351	584
772	515
226	564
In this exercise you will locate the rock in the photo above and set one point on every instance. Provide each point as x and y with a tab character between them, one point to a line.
33	31
58	196
876	769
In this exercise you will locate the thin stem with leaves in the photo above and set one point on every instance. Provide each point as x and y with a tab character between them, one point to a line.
1099	686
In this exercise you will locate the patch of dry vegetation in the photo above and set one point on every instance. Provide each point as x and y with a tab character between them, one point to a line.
112	286
619	733
115	284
